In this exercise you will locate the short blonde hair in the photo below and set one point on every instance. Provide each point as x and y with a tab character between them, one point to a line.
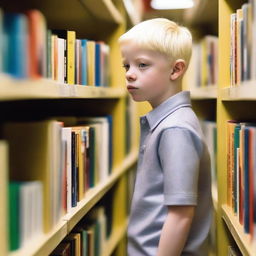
162	35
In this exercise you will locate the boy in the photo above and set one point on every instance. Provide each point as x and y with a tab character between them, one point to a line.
171	205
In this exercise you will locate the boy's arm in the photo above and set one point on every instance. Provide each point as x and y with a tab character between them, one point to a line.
175	230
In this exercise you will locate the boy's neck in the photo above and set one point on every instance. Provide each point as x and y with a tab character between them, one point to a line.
175	87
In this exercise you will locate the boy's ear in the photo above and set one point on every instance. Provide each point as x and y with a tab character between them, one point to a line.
178	70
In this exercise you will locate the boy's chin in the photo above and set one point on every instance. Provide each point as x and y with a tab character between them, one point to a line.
137	99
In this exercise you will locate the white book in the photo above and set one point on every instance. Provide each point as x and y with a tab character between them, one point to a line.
102	141
61	60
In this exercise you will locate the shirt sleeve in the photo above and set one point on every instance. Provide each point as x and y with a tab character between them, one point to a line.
180	151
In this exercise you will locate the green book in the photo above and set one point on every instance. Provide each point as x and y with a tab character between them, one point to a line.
14	224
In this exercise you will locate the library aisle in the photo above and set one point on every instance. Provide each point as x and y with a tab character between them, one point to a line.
69	130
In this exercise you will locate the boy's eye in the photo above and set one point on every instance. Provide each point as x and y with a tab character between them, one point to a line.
142	65
126	66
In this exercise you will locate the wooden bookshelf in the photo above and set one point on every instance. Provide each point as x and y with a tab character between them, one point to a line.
101	20
243	240
44	244
233	103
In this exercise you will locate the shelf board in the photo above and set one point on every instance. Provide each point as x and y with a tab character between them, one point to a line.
44	244
245	91
11	89
114	239
207	92
243	240
104	10
95	194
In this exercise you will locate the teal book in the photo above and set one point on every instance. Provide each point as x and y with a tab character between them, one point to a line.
84	62
15	27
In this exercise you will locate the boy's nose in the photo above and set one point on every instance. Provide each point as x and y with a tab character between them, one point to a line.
130	76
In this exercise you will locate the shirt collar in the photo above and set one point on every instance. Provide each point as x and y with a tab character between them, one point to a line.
154	117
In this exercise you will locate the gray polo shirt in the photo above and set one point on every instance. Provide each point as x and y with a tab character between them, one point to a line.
173	169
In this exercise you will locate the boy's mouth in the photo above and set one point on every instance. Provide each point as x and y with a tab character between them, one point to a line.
130	87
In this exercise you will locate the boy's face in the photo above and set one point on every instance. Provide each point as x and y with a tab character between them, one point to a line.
147	74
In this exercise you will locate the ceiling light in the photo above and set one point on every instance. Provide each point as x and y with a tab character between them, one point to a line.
171	4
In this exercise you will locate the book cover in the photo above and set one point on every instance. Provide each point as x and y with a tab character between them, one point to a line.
78	59
91	62
49	54
84	62
236	168
61	60
70	37
98	67
15	55
66	136
37	29
4	216
13	213
32	148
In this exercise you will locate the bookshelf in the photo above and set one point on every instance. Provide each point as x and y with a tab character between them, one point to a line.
201	79
234	102
32	99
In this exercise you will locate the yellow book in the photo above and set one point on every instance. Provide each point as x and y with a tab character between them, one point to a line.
33	156
91	62
80	159
71	41
3	196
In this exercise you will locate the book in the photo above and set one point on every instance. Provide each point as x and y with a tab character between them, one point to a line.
91	62
49	59
4	214
75	242
37	32
84	62
70	37
41	140
78	59
61	60
15	54
14	220
66	137
30	211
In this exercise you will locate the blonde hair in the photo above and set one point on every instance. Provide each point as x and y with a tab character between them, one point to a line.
162	35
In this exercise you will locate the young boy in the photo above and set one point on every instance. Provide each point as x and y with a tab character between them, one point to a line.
171	206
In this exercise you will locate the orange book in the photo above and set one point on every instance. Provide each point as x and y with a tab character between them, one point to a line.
37	44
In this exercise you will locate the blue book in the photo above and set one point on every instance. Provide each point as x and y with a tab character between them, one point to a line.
84	62
15	28
97	64
246	180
